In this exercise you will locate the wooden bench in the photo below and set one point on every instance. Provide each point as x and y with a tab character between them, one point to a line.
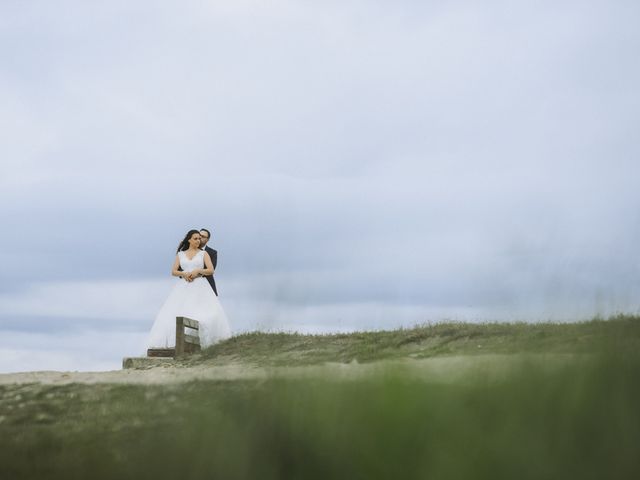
186	344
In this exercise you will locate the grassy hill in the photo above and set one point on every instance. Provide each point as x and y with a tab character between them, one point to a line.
425	341
536	420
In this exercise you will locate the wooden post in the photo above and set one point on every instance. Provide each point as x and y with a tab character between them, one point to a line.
186	343
179	336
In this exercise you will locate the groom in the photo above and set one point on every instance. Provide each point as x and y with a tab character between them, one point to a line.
205	235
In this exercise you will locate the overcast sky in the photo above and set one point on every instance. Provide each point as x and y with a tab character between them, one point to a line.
361	165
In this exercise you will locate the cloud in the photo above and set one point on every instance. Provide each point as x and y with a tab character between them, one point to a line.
86	351
104	301
415	159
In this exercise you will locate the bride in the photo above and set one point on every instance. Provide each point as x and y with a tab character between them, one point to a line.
192	297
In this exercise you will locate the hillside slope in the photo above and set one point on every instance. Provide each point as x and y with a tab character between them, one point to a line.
425	341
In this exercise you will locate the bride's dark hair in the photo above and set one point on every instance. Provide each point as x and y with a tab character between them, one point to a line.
184	244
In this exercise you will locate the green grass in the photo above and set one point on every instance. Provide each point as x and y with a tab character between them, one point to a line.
536	420
426	341
575	422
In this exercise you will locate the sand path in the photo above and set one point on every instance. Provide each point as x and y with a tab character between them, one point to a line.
443	369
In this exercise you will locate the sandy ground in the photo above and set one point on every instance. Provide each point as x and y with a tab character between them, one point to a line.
441	369
156	375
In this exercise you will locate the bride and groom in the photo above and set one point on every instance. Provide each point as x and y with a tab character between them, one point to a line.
195	296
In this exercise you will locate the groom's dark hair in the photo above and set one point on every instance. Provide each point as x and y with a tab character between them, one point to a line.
205	230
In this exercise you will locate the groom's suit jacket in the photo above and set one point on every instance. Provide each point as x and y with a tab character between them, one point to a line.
214	260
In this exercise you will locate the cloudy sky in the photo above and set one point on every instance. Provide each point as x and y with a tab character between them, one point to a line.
361	164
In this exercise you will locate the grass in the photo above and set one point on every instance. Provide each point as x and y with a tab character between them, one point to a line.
575	420
426	341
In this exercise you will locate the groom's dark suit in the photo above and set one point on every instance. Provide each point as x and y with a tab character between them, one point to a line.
214	261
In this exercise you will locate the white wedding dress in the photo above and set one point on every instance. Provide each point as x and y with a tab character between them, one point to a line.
195	300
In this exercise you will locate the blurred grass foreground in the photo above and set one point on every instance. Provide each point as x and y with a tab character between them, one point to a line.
564	403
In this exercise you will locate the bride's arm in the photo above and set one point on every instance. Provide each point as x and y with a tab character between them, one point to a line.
174	270
208	266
